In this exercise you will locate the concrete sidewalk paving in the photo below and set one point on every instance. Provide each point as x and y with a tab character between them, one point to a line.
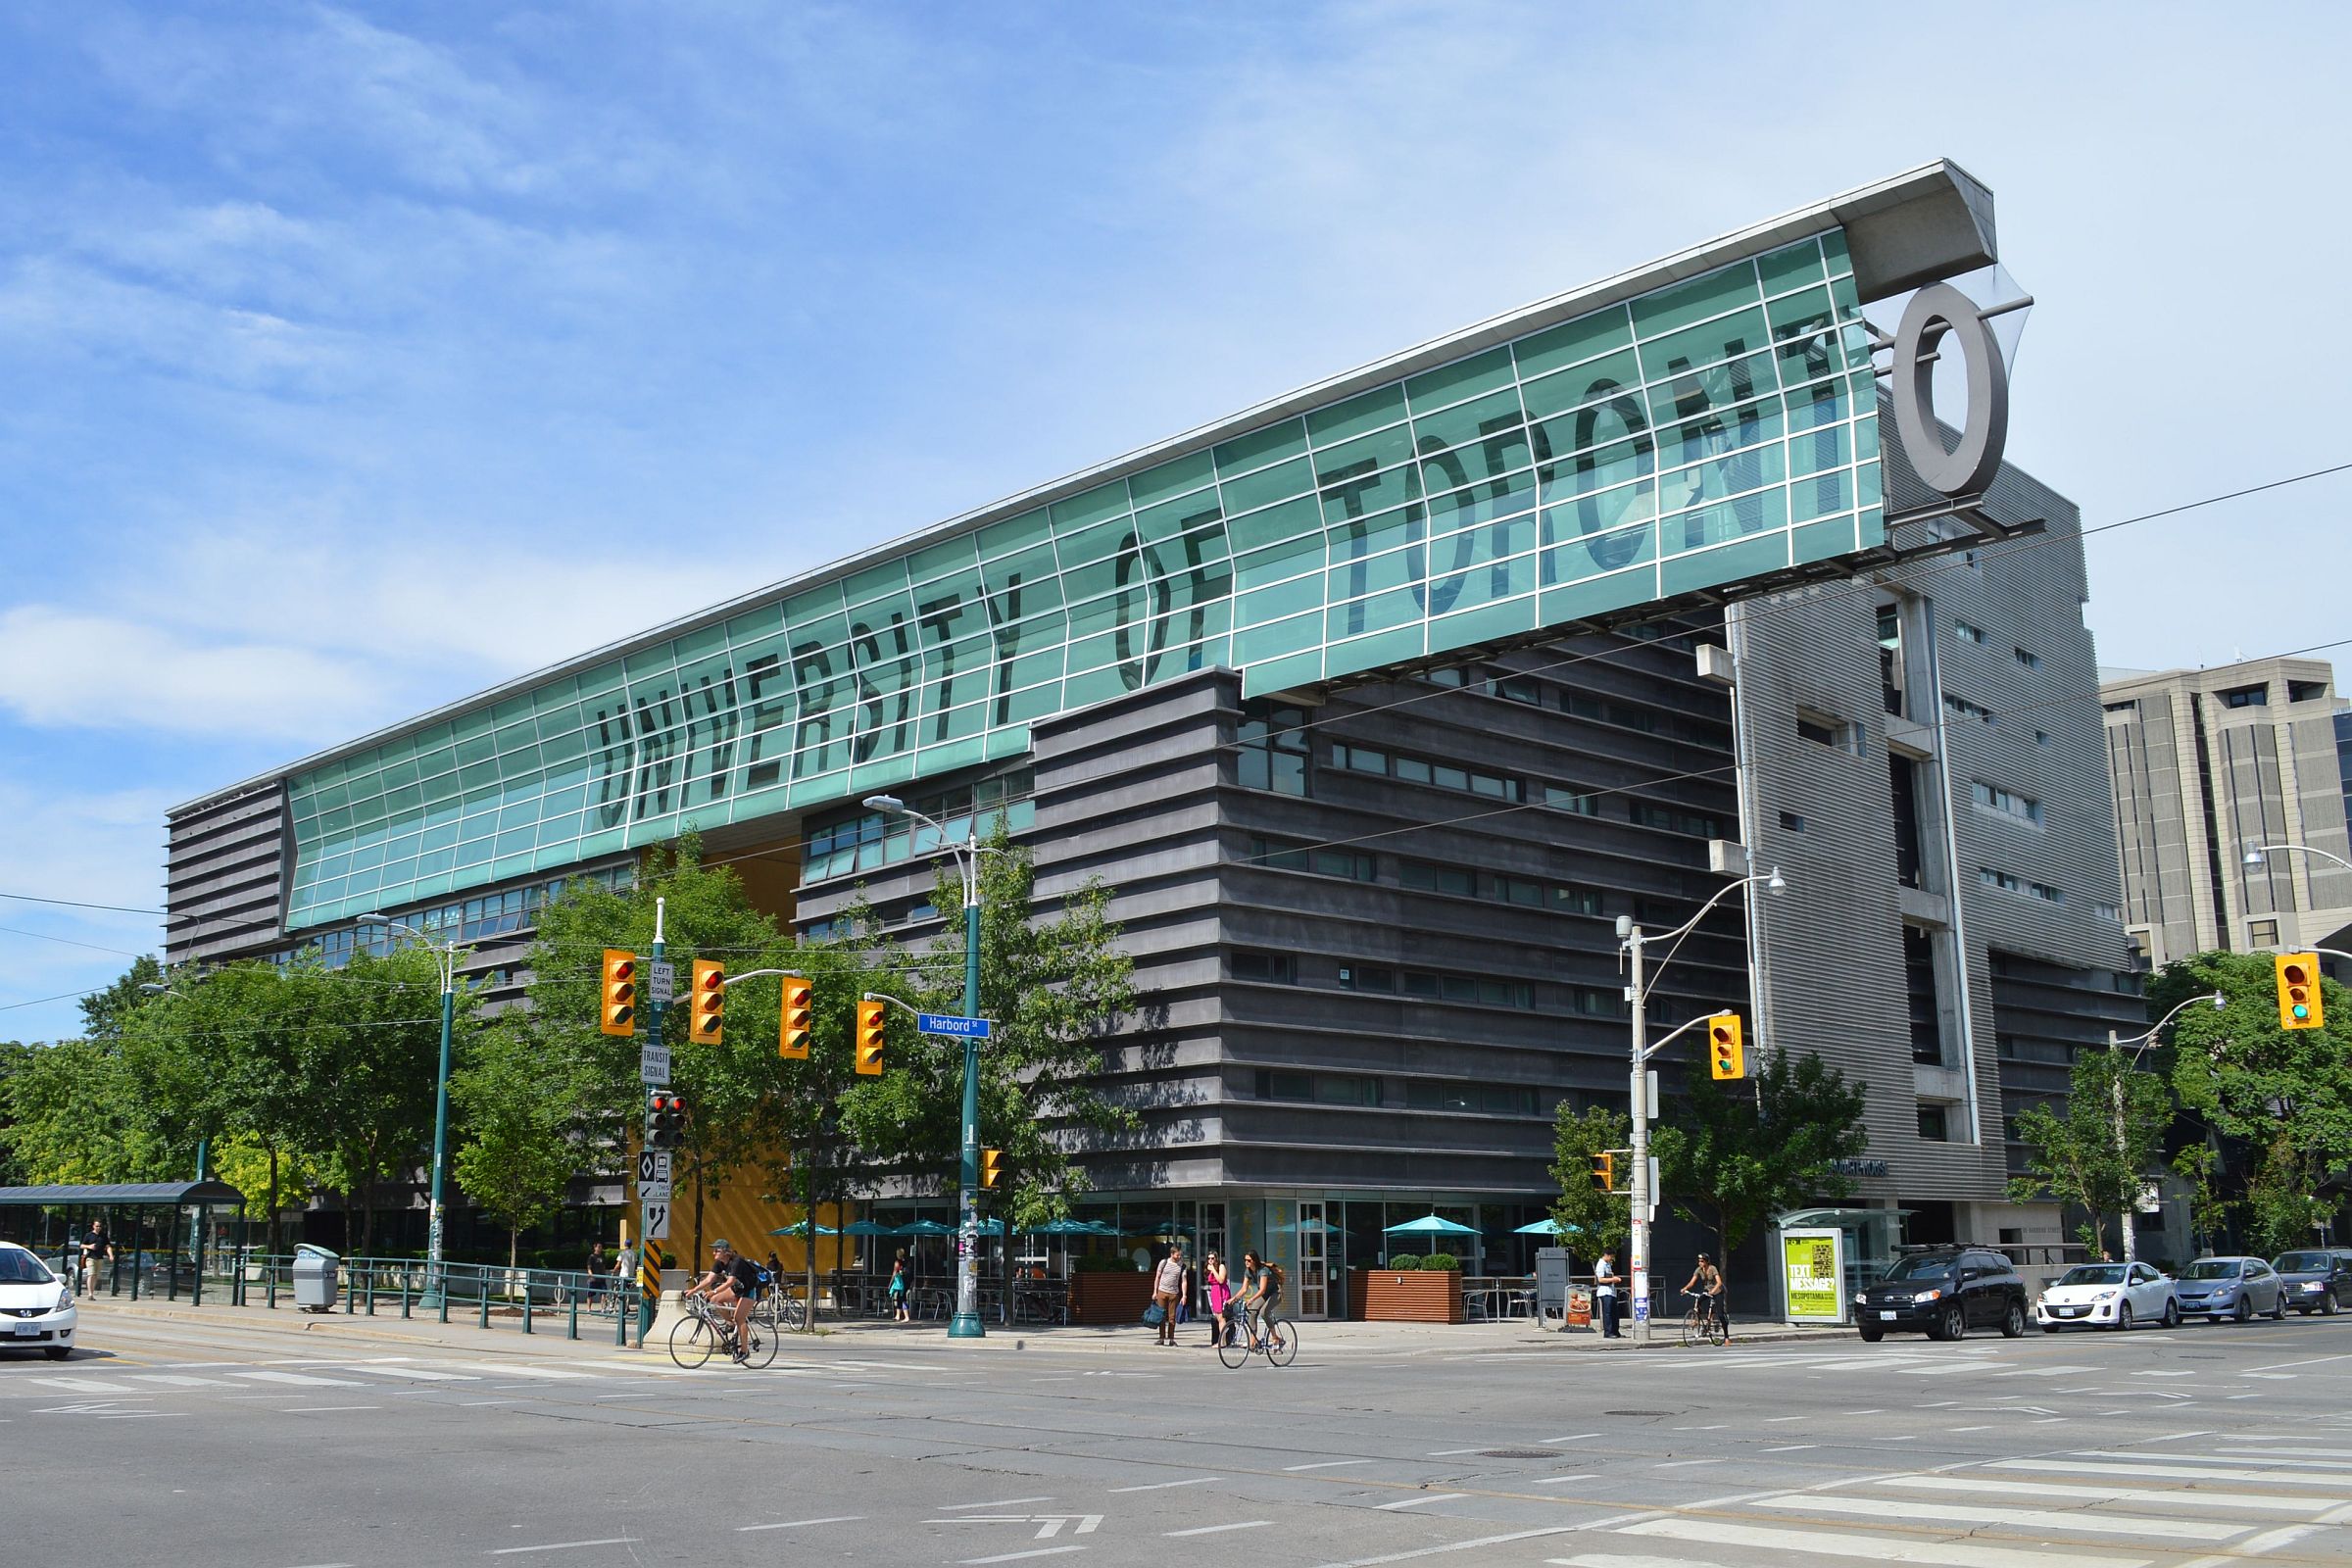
857	1336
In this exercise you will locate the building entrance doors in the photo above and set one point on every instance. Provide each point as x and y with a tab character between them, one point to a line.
1315	1279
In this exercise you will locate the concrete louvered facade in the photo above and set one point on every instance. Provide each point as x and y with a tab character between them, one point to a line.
228	859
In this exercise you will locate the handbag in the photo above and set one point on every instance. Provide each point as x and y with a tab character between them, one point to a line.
1154	1315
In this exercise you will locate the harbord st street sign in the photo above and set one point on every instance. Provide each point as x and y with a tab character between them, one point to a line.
947	1023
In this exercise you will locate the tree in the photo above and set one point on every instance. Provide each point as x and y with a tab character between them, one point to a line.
74	1115
1596	1218
2279	1101
103	1012
2076	1158
521	1144
1731	1155
1053	988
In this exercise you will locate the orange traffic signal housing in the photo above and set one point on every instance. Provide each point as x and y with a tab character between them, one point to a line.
2298	977
1727	1056
870	1039
616	1003
705	1026
792	1032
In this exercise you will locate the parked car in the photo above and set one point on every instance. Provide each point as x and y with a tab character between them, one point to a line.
1943	1291
36	1304
2108	1295
2316	1281
2215	1288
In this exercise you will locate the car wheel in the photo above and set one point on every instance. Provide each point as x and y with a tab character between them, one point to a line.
2278	1308
2122	1318
2245	1309
2328	1303
1955	1323
1871	1333
2172	1314
57	1352
2013	1322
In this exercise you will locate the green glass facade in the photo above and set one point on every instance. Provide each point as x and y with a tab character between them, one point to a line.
1691	437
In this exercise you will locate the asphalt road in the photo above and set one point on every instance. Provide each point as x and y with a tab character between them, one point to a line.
272	1447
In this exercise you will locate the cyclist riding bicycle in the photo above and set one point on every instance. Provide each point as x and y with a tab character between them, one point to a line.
1706	1283
1261	1294
733	1284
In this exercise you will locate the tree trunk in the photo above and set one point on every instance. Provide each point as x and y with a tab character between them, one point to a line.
514	1243
802	1157
698	1213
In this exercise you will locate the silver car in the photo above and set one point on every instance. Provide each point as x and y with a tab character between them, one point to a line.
2243	1288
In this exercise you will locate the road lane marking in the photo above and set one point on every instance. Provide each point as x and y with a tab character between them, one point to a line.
1879	1548
303	1379
1678	1465
1415	1502
77	1385
322	1409
174	1381
1215	1530
563	1546
2262	1457
547	1372
2267	1502
1910	1508
1459	1545
1573	1437
1326	1464
795	1524
1795	1447
1000	1502
1554	1480
1448	1453
2169	1472
1163	1485
1015	1556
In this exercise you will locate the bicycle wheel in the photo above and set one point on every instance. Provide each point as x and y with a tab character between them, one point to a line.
692	1341
760	1342
1693	1334
1282	1343
791	1314
1717	1331
1234	1349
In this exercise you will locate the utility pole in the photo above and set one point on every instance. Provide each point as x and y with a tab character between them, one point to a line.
649	1299
445	957
2129	1218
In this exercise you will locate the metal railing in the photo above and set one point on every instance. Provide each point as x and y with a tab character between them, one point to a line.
533	1300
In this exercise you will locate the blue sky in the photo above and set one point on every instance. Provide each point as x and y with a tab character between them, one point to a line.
323	327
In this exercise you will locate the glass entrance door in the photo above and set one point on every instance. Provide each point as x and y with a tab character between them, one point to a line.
1314	1279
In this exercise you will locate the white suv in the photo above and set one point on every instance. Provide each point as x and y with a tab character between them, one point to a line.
36	1307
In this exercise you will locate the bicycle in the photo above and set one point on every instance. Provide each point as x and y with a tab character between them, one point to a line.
1278	1343
1700	1325
703	1333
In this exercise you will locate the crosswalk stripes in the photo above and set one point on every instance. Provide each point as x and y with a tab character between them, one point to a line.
392	1372
2085	1508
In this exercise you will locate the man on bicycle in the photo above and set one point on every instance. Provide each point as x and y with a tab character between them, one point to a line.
1706	1283
733	1283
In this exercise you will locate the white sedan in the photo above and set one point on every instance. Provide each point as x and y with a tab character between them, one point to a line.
36	1307
2108	1295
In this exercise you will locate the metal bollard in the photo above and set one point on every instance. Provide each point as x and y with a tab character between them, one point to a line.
575	1332
526	1304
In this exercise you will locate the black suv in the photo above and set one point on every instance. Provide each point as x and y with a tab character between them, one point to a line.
2316	1280
1943	1291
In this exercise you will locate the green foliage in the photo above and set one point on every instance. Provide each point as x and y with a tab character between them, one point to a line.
1101	1263
521	1147
1054	986
2076	1157
1440	1263
1600	1219
1733	1153
1401	1264
76	1114
103	1012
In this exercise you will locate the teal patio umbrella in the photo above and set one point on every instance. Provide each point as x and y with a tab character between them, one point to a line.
924	1227
1548	1227
799	1227
867	1227
1429	1225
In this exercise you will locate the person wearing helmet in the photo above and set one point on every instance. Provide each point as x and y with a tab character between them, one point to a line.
732	1284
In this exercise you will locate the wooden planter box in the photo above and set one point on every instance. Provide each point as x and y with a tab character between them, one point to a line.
1412	1296
1103	1298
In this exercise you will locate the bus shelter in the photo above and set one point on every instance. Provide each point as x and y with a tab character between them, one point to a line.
142	1220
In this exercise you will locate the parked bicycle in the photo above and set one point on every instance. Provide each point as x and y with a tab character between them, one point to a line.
705	1331
1700	1325
1250	1334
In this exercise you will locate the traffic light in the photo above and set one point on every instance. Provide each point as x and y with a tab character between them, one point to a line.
616	1008
992	1166
702	1027
665	1118
1726	1057
792	1034
870	1039
2299	975
1604	1171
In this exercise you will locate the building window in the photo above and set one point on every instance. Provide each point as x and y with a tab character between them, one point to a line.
1271	748
1931	1127
1961	707
1823	731
2108	911
2306	691
1594	1002
1277	968
1671	820
1919	993
2255	696
1968	633
1446	1093
2128	706
1453	675
1793	822
2262	933
1368	977
2026	658
2042	737
1517	689
1422	878
1580	802
1360	760
2009	882
1993	798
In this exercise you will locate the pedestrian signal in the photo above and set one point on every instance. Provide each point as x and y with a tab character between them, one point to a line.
616	1010
992	1166
1604	1172
705	1026
2299	975
870	1039
1726	1055
792	1035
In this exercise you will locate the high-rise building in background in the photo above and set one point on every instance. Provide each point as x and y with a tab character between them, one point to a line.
2208	766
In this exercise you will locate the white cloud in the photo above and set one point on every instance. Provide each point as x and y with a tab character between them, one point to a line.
62	667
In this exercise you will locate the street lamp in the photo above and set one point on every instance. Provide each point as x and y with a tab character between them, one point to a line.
1632	939
2140	1043
445	957
967	1324
2254	856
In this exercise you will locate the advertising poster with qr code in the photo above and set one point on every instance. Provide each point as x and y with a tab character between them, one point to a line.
1813	1276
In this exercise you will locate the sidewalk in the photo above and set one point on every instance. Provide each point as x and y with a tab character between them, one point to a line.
859	1336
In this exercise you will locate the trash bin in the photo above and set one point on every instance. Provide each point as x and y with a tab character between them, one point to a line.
315	1273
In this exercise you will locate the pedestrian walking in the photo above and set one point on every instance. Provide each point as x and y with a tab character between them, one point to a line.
598	1267
1605	1293
95	1251
900	1284
1168	1289
1221	1296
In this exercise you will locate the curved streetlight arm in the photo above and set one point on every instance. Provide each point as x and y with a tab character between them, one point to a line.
2254	856
445	955
2214	999
1632	934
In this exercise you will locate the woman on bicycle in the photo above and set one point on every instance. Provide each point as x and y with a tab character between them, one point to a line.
1220	1295
899	1283
1261	1294
1706	1283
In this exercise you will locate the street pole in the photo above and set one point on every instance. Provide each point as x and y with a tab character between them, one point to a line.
649	1300
2122	1156
449	1007
1637	1247
967	1324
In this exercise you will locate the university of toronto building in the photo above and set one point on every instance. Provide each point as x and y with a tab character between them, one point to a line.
1379	705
